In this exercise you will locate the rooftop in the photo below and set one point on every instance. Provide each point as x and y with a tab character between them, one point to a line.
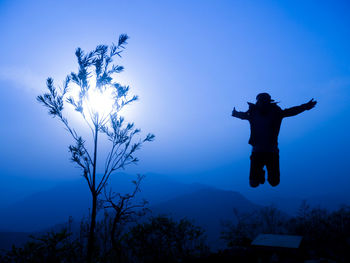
285	241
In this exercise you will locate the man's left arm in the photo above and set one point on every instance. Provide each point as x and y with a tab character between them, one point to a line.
298	109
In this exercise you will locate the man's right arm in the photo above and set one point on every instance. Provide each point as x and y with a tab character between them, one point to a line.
240	114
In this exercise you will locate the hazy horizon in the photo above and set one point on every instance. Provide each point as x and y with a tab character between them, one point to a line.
190	62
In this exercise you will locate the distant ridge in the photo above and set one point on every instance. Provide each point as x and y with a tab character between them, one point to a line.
46	208
206	206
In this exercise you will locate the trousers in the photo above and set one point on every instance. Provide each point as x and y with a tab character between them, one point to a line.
257	173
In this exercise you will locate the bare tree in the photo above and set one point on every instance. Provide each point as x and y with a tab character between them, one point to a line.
125	210
98	98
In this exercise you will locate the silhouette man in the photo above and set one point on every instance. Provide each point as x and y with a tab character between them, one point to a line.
265	118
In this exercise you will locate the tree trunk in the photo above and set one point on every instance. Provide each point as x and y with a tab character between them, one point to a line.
91	240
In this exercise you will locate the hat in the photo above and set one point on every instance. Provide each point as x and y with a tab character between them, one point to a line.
264	97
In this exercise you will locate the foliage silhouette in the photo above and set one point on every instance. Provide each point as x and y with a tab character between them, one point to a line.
95	78
55	247
325	233
266	220
162	239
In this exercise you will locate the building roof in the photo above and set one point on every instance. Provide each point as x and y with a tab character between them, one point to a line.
285	241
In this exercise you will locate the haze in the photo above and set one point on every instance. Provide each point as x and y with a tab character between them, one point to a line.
190	62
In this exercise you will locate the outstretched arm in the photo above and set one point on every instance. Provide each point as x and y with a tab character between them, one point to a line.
299	109
240	114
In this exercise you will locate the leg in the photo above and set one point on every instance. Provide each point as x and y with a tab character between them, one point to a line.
273	169
257	173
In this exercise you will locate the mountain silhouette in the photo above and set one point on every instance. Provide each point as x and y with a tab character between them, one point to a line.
45	210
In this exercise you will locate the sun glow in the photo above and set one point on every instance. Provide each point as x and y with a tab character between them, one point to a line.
98	103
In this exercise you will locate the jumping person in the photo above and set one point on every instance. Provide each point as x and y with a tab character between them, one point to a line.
265	118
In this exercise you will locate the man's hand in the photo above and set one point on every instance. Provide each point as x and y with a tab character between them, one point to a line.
234	112
240	115
309	105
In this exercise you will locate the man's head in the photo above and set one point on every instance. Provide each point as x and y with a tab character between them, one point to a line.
263	98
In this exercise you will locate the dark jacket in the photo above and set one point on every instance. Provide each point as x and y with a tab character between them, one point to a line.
265	122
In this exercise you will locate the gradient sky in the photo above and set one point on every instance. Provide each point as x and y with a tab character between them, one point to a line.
190	62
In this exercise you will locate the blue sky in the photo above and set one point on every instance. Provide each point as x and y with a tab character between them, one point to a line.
190	62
